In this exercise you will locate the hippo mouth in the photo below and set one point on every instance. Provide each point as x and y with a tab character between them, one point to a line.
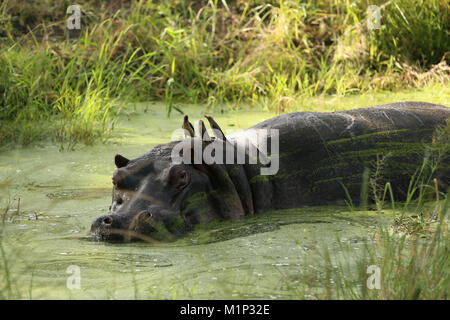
117	235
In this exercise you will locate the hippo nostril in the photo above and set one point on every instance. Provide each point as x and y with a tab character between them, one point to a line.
107	220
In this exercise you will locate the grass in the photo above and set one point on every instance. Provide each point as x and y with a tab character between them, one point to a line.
67	87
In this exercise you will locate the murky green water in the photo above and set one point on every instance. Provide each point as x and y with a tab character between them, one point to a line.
268	256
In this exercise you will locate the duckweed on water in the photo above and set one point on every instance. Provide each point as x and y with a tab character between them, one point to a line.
276	255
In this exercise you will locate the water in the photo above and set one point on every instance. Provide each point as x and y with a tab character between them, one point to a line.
270	256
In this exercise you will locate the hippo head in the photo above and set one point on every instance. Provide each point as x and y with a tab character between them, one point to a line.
155	198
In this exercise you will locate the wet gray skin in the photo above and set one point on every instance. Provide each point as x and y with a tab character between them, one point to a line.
322	160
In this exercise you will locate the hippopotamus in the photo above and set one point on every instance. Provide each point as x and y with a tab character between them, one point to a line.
321	159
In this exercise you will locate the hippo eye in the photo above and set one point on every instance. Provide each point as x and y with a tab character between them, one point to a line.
182	179
119	179
119	201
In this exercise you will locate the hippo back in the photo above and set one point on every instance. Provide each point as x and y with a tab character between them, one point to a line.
324	155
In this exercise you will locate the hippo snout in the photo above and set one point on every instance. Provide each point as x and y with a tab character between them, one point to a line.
107	227
114	227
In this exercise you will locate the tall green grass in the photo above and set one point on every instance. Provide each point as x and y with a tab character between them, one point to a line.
268	54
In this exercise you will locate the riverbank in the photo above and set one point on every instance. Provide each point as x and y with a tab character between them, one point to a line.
270	55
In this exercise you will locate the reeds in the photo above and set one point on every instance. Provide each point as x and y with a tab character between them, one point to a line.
266	54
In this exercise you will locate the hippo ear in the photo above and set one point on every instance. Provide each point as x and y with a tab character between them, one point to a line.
120	161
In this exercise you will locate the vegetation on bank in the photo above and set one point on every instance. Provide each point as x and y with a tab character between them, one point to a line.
264	53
